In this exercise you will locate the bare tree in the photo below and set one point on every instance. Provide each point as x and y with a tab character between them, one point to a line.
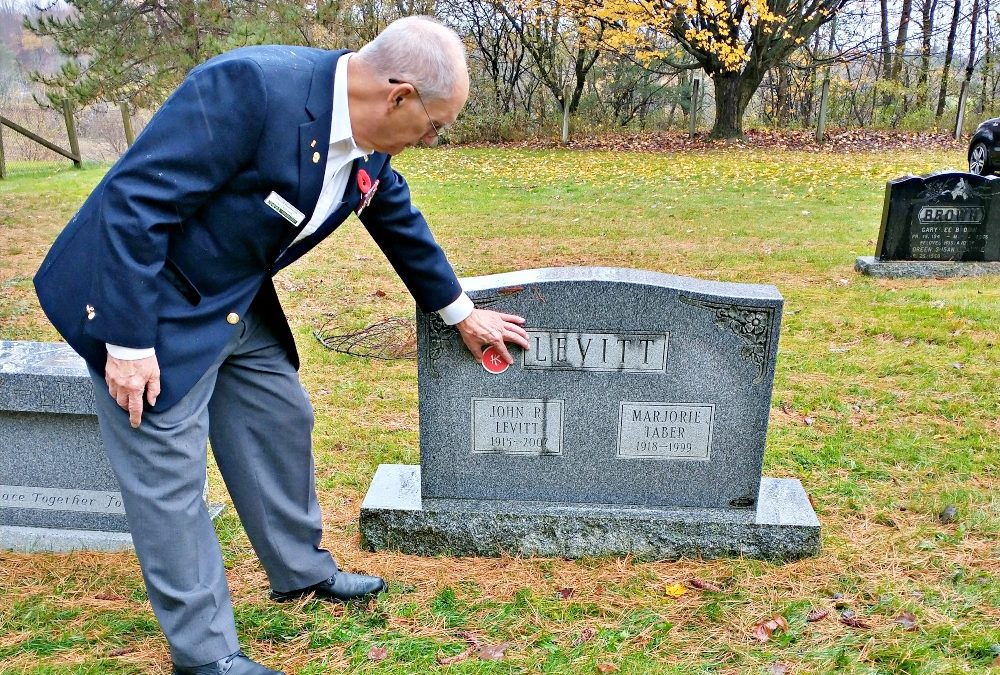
988	63
948	55
927	10
886	54
904	24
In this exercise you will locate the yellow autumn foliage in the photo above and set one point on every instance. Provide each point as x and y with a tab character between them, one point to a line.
720	33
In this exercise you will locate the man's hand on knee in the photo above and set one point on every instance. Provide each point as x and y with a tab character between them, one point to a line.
129	380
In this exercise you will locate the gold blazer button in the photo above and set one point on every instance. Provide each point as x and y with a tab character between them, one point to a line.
316	157
91	313
233	318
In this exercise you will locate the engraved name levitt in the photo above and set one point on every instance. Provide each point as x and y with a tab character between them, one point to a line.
629	352
665	430
517	426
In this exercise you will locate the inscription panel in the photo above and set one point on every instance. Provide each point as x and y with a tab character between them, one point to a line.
517	426
947	240
621	352
60	499
665	430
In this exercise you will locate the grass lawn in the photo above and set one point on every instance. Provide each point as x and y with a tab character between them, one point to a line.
885	406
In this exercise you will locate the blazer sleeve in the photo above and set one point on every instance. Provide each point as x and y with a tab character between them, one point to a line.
401	231
201	136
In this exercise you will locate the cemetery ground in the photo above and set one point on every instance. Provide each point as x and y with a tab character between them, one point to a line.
885	406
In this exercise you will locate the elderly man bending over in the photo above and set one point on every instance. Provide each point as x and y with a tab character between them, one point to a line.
162	282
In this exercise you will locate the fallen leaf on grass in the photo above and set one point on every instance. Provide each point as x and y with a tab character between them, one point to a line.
108	595
817	615
849	619
676	590
121	652
808	421
377	653
765	629
448	660
493	652
586	635
607	668
485	652
379	293
908	620
778	668
565	593
469	637
704	585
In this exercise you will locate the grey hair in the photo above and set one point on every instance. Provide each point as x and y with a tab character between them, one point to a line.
422	51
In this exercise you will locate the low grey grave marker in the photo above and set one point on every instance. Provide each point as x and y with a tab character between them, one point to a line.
945	224
57	490
635	424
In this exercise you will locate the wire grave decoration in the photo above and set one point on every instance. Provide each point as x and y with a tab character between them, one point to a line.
392	339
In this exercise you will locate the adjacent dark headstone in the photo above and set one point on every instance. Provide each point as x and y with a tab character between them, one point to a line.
636	424
57	490
943	224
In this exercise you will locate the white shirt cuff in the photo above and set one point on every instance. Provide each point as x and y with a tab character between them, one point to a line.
457	311
129	354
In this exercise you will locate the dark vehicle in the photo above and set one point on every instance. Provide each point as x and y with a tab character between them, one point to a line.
984	148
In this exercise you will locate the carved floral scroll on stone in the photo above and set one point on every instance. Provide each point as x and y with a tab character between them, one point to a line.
755	325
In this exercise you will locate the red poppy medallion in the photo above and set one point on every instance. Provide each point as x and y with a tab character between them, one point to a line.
493	362
364	182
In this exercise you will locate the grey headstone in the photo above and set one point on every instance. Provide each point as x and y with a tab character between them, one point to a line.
643	394
55	477
639	388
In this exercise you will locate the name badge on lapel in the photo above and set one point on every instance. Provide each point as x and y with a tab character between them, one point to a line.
367	189
284	209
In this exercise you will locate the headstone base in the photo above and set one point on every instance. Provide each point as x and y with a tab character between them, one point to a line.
395	517
923	269
61	540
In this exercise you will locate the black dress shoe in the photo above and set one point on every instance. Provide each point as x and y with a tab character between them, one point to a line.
341	587
234	664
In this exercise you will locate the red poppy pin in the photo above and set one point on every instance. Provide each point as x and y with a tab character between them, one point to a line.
367	190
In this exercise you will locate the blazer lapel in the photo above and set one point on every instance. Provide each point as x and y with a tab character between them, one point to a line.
352	197
314	136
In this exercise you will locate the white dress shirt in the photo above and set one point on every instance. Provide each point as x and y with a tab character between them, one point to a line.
339	159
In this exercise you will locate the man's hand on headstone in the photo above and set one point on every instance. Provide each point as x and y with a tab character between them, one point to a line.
484	327
129	380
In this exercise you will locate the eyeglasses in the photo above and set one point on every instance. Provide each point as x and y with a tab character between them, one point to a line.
439	131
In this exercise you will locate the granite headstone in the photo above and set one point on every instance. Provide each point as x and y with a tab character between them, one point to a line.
635	424
57	490
942	224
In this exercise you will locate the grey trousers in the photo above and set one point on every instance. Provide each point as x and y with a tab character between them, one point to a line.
252	407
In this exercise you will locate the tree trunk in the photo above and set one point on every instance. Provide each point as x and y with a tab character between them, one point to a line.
886	58
732	95
904	24
987	61
971	63
949	53
927	9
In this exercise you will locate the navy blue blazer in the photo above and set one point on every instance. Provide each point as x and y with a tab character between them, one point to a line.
177	236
